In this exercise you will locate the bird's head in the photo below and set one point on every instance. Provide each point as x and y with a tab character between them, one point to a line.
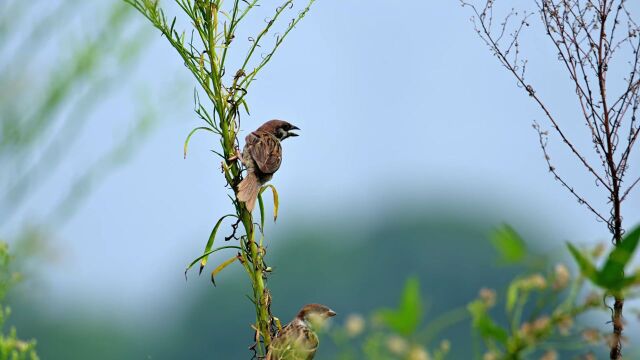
279	128
315	314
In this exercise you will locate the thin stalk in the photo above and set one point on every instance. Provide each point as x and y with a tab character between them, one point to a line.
205	55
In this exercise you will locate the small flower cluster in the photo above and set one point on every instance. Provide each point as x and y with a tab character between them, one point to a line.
390	333
376	341
541	308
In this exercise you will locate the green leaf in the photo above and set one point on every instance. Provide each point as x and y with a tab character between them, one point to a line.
482	322
509	244
246	106
261	206
632	280
612	274
221	267
186	142
207	254
275	199
212	237
512	294
587	269
408	316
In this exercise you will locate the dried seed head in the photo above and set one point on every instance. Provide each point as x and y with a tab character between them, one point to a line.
534	282
419	353
541	324
593	299
445	346
592	336
561	277
354	325
564	325
598	250
491	355
550	355
397	345
488	297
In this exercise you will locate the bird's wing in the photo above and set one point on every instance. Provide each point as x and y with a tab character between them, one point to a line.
311	344
279	342
265	150
293	342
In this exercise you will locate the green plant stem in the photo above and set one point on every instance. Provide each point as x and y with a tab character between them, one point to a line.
205	55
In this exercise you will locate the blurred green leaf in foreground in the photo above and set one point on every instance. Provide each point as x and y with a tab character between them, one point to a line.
11	348
56	70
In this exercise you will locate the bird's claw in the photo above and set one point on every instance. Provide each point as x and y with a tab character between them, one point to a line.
236	156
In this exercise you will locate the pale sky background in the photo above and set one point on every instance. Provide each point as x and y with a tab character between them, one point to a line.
394	102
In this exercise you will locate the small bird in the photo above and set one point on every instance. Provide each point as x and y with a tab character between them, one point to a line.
262	156
298	340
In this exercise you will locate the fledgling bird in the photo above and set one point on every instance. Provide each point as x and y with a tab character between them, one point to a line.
262	156
298	340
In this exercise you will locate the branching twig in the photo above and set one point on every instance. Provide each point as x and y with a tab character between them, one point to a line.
586	35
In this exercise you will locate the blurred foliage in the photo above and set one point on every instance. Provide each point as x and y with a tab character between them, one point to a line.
11	348
57	69
55	72
543	308
408	316
393	333
611	277
511	247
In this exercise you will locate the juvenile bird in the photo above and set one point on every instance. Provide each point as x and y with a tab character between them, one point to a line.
262	156
298	340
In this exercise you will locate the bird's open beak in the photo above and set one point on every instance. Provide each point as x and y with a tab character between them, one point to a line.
290	133
331	313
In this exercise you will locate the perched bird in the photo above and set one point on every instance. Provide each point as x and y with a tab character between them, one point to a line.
262	155
298	340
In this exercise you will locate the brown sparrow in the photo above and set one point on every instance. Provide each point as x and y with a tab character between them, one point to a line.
297	340
262	155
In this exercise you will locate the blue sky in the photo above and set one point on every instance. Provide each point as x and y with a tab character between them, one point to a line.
394	102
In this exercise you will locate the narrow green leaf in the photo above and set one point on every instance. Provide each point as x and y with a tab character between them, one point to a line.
586	267
186	142
246	107
633	280
212	237
275	199
207	254
411	305
221	267
261	206
509	244
612	274
173	23
512	295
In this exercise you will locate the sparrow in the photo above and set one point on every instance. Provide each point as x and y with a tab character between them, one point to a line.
298	340
262	156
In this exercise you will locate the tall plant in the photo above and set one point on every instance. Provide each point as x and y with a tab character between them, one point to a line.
205	50
593	39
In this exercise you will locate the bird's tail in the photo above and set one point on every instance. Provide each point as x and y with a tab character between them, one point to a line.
248	190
